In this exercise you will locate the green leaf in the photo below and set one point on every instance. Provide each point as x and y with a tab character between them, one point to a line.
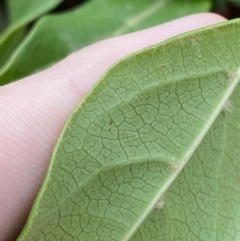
3	17
219	4
25	11
56	36
235	2
21	13
152	152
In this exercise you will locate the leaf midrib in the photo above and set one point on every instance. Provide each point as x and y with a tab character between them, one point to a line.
133	21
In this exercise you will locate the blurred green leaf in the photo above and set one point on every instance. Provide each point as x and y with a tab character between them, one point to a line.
218	3
235	2
56	36
25	11
3	17
21	12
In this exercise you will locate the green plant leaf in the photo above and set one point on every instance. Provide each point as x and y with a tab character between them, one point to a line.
235	2
56	36
3	17
21	13
25	11
203	203
152	152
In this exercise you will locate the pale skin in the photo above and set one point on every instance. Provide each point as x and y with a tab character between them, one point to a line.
33	112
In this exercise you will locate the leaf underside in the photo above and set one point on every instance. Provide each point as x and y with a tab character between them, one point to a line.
152	152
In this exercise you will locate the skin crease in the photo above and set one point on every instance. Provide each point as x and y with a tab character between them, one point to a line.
33	112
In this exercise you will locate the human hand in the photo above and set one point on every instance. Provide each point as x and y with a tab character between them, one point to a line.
33	112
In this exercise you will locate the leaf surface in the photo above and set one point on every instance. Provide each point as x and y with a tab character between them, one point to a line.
21	13
3	17
152	152
56	36
25	11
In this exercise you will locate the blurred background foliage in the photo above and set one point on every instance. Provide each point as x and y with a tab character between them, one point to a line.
36	34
